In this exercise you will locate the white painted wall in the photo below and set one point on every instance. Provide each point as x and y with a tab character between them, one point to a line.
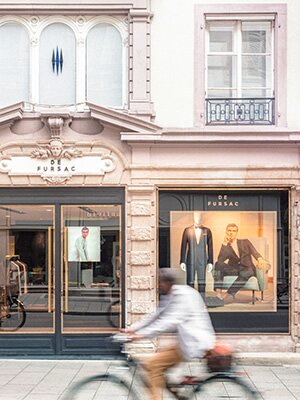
172	51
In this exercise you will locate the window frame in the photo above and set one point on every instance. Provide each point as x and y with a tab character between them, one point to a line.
237	53
243	12
80	26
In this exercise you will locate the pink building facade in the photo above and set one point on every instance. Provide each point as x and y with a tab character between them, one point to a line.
88	144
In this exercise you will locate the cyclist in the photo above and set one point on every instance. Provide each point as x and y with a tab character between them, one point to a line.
181	311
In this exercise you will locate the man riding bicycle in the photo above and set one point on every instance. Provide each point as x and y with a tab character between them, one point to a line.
183	312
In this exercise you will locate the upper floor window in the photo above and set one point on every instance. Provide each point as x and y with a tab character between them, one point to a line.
57	65
240	72
14	64
63	61
104	69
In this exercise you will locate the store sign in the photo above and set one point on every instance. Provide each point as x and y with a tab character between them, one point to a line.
223	201
56	163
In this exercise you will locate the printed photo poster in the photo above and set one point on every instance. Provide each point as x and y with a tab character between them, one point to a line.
84	244
227	255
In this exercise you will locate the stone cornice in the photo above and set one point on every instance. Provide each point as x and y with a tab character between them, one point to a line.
107	116
211	136
11	113
74	6
122	120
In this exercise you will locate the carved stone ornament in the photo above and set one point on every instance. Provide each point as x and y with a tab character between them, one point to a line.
56	162
55	150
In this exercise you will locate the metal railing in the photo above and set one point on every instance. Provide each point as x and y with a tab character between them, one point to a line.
240	111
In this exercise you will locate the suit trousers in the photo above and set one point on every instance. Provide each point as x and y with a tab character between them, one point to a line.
243	273
157	365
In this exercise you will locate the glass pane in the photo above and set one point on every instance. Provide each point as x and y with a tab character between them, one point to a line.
256	37
104	66
92	268
57	65
256	71
221	71
26	269
256	93
220	37
221	93
14	64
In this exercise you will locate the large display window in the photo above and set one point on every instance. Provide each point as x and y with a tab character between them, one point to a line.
231	246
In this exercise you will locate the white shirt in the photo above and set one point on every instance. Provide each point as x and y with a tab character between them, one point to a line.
183	312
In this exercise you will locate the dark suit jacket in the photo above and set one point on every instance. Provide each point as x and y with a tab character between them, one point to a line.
187	253
246	250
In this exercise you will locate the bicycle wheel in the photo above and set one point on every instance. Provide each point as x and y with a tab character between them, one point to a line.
106	386
113	314
15	316
224	387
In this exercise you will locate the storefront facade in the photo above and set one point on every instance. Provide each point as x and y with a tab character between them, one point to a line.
95	199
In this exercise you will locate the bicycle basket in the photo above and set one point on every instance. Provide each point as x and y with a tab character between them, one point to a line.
219	358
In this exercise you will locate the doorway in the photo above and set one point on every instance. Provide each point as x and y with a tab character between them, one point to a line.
71	244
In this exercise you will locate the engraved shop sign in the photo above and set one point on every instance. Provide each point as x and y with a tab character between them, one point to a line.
56	162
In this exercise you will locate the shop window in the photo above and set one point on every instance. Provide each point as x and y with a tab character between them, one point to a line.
104	66
57	65
232	247
240	72
14	64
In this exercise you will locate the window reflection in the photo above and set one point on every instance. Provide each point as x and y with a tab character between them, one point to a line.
92	268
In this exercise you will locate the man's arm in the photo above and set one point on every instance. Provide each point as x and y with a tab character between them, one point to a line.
223	254
184	243
210	247
168	319
253	251
79	250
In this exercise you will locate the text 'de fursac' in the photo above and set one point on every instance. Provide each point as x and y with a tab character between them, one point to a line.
55	166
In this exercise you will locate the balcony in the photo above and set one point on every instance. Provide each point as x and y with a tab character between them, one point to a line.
240	111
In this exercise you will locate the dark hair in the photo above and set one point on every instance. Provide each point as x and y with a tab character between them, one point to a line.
167	275
85	228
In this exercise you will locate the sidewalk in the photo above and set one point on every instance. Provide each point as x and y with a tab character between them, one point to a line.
275	376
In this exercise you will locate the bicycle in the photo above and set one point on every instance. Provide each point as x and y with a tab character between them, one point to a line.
12	310
113	314
215	385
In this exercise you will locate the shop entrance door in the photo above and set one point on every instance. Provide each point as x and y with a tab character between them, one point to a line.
65	248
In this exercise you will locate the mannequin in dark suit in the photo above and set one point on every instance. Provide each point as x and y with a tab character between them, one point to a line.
196	252
235	258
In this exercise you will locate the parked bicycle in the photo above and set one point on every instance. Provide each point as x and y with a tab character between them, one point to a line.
113	314
226	384
12	310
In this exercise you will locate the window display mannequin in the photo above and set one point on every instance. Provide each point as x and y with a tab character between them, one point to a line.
196	252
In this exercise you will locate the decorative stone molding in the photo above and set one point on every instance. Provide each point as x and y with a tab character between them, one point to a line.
141	234
140	282
141	307
55	150
141	208
140	258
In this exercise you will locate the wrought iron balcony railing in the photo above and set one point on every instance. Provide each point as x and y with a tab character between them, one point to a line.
238	111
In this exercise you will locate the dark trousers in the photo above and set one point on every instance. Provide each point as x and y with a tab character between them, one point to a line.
191	274
243	273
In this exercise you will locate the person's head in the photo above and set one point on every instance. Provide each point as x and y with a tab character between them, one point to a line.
166	279
232	231
84	232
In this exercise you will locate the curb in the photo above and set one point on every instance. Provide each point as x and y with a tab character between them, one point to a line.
267	359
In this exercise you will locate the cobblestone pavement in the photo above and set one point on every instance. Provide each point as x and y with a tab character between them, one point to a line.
23	379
